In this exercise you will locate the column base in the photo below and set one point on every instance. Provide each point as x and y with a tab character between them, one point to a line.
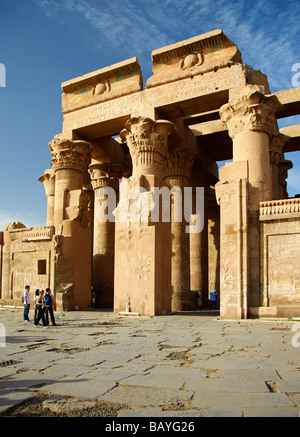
186	305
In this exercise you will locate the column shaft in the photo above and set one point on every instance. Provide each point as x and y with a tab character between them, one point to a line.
105	185
143	248
70	160
251	123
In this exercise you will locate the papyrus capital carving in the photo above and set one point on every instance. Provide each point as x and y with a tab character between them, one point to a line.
147	140
48	179
69	154
178	164
104	175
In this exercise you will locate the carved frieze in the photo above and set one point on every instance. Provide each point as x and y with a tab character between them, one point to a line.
101	88
195	56
104	84
191	60
77	207
277	208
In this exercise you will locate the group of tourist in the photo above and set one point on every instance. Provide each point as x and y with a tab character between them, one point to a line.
43	306
213	300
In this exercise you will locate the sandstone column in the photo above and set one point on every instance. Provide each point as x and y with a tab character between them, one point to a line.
199	241
70	160
178	171
48	179
143	247
105	184
251	123
279	167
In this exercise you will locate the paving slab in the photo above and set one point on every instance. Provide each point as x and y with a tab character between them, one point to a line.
172	366
295	397
80	387
58	370
24	380
217	400
221	385
146	396
226	362
272	412
158	412
222	412
11	398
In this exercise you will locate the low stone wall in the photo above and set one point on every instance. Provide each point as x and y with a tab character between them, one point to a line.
280	257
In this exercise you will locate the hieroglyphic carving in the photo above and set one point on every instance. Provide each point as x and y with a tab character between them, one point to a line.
77	207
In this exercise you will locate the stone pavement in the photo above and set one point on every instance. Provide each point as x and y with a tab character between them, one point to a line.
184	365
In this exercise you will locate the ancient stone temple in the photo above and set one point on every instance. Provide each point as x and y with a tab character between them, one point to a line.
137	205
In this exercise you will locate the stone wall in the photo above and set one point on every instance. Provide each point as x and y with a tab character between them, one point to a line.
26	260
280	258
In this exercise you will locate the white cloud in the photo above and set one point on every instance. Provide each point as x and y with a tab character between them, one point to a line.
266	31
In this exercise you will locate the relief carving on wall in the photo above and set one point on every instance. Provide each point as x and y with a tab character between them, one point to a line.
76	207
191	60
101	88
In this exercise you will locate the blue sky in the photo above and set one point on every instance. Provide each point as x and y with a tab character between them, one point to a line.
46	42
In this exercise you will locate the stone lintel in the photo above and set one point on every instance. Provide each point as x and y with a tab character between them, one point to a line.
104	84
290	100
191	57
293	134
171	100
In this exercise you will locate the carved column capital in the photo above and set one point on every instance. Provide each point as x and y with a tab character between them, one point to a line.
178	166
252	111
70	154
277	143
148	142
104	175
48	179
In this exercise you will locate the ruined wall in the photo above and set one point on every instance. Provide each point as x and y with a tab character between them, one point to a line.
27	260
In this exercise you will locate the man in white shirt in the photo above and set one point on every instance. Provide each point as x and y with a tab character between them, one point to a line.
26	303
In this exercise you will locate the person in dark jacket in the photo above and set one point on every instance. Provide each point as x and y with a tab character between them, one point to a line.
49	307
